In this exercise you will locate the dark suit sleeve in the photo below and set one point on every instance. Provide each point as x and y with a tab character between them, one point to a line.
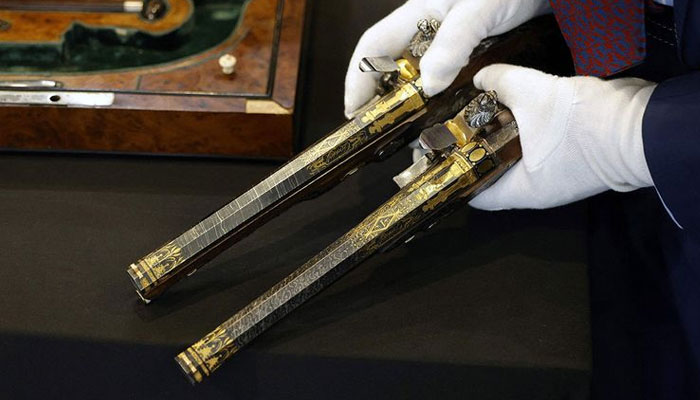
671	134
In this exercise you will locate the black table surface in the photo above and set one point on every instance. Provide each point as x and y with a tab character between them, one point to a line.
484	306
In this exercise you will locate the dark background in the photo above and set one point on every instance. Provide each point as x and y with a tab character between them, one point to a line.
485	306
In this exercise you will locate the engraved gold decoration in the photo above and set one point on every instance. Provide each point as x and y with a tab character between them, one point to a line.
477	155
317	150
398	104
432	188
468	147
411	105
162	260
460	171
337	152
208	353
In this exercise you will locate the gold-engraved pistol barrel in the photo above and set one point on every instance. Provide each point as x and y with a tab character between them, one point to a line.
318	167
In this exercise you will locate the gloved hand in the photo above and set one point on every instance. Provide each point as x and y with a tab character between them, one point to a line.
580	136
464	24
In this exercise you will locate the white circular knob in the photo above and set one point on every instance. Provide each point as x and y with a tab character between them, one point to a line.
227	63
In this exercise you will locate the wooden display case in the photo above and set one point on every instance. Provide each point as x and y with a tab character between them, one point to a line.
132	96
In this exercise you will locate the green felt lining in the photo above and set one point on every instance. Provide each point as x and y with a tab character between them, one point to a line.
89	49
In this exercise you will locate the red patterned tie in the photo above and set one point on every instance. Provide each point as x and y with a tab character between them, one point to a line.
605	36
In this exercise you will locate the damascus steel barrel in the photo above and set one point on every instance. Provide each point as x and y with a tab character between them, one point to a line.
478	157
160	269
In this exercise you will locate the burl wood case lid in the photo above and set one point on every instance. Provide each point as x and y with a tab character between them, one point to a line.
178	54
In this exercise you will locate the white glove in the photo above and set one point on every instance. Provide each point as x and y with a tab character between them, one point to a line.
580	136
464	24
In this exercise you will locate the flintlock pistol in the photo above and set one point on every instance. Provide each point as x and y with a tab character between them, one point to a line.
468	153
379	129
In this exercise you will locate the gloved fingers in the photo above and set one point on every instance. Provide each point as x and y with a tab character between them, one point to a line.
388	37
518	188
541	104
551	186
459	33
516	86
506	193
